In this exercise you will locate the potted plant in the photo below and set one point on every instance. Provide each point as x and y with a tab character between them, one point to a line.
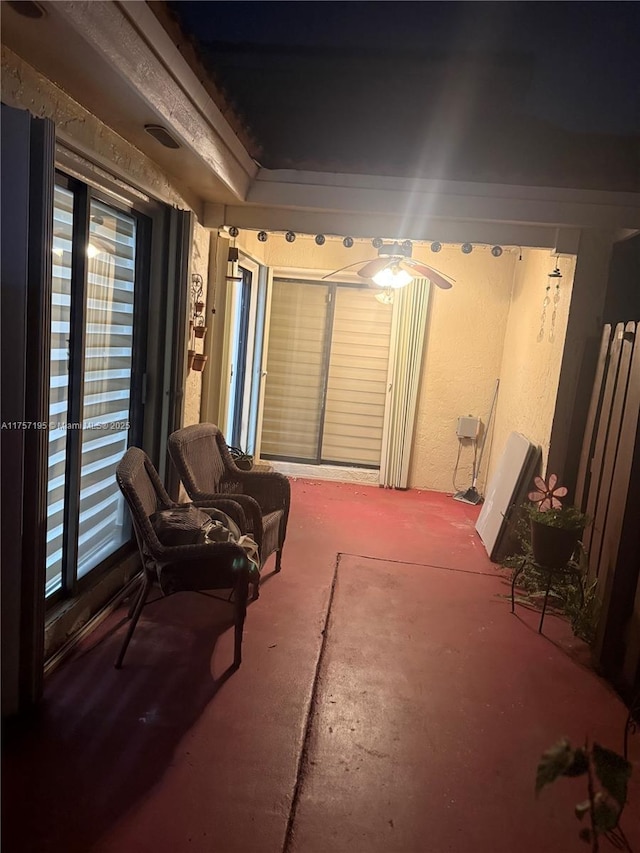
555	529
190	356
199	329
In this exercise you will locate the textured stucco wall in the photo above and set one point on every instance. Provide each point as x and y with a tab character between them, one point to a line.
462	360
25	88
248	242
463	349
532	354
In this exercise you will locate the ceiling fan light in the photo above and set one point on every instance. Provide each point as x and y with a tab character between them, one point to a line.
394	277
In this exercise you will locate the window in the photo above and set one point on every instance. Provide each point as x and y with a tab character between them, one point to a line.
96	366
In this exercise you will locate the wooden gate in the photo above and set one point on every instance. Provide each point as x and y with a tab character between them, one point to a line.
608	489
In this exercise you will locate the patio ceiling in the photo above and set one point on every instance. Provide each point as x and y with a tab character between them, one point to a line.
444	102
125	64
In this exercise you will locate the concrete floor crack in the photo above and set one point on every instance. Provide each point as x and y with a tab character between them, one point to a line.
303	761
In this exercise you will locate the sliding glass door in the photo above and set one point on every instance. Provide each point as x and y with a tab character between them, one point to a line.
326	384
97	361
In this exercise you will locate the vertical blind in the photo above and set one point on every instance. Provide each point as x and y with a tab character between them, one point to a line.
412	304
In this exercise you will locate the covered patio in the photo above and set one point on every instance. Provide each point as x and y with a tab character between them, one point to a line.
387	701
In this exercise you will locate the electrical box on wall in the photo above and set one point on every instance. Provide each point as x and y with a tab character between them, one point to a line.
468	427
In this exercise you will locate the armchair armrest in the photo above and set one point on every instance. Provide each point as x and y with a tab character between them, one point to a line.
271	490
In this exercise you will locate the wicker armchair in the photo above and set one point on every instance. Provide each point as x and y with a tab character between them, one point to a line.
179	567
206	467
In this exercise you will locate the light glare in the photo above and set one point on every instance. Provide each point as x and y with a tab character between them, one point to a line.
394	277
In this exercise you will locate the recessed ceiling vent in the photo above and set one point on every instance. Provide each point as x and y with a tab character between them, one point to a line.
161	135
27	9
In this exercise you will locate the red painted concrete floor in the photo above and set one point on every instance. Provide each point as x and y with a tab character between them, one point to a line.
387	701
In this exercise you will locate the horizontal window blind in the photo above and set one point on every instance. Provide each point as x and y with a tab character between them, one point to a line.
294	383
327	365
103	523
59	383
357	378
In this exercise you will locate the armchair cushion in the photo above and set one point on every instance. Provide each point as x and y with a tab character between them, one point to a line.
181	525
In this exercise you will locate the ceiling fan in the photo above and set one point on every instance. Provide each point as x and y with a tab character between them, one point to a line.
394	268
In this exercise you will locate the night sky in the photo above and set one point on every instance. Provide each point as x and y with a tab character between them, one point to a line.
586	55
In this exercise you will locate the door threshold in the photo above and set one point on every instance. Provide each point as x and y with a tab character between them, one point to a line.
339	473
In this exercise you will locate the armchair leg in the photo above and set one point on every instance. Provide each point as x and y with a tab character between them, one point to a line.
135	615
241	593
278	559
134	598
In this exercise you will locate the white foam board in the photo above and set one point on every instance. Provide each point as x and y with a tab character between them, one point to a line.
502	488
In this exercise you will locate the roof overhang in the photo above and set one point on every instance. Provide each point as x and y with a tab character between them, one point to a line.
117	61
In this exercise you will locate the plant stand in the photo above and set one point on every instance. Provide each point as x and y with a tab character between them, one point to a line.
570	568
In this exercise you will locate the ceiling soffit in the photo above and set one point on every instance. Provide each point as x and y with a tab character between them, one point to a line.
120	65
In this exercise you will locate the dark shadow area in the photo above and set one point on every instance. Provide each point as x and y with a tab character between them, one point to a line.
103	736
434	90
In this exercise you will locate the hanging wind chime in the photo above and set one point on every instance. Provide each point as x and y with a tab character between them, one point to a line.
554	276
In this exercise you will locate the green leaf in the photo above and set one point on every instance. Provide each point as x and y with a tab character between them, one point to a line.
553	763
579	765
613	771
582	808
585	835
605	815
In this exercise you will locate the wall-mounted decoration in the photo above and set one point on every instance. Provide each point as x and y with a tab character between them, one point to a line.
290	237
466	248
347	242
233	231
197	323
199	361
320	239
496	251
263	236
199	328
553	276
435	246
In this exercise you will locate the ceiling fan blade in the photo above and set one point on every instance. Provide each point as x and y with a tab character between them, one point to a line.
342	269
373	267
428	272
